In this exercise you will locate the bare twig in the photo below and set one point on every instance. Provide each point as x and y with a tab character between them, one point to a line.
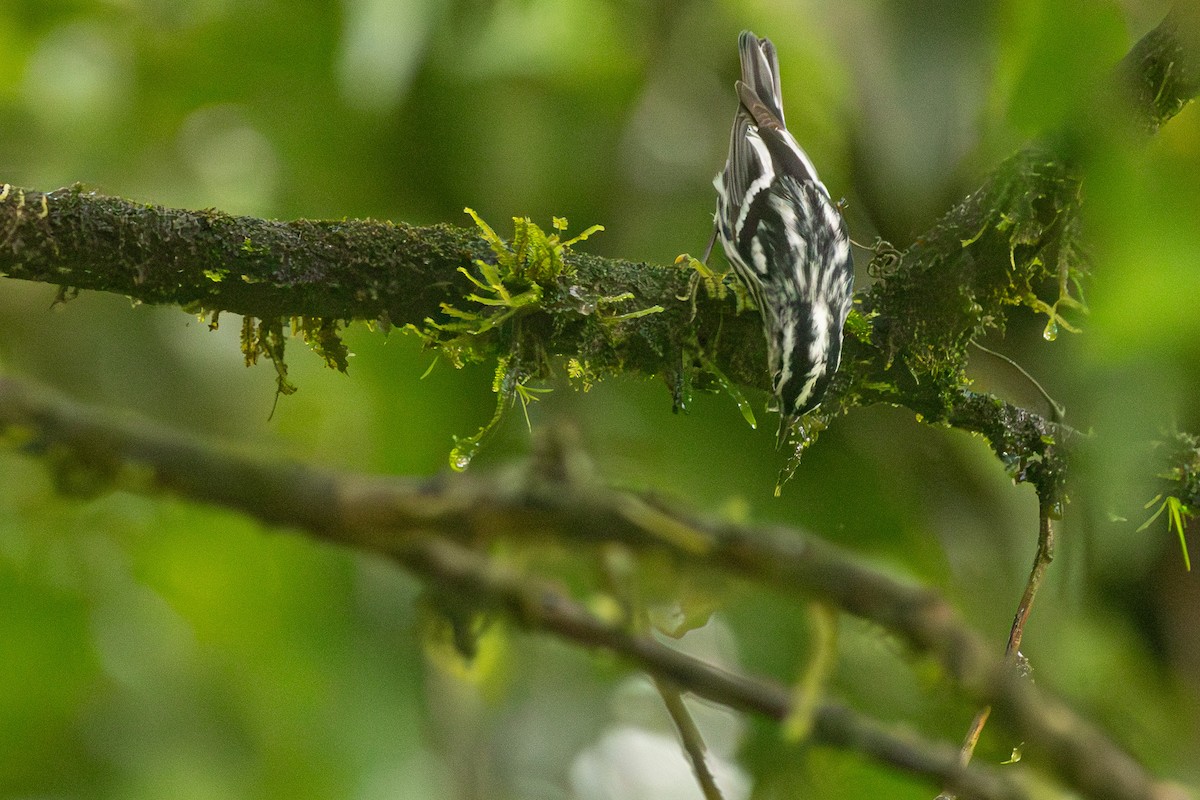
690	737
1041	559
626	593
1012	651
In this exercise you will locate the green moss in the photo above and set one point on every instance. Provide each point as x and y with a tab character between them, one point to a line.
266	338
324	337
504	291
717	285
250	248
860	325
1179	491
518	301
931	300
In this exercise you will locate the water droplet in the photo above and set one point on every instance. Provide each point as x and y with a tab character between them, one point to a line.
801	436
1051	332
460	459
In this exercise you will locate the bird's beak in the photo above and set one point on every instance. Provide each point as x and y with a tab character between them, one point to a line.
786	423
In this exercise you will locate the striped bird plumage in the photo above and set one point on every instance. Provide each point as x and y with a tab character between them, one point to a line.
786	240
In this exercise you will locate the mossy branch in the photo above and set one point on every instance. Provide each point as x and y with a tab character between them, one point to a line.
335	272
1015	241
1161	73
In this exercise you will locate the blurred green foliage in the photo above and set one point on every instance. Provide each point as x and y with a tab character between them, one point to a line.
153	648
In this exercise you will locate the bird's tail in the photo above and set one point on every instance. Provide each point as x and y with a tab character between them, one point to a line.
760	71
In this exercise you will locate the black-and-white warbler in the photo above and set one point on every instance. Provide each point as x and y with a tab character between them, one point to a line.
786	240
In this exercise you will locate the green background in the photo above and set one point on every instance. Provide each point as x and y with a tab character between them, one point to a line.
152	648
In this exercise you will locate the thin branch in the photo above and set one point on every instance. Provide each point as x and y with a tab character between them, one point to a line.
637	619
1041	559
396	517
689	737
1012	651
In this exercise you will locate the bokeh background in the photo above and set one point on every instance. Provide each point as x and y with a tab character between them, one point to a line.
153	648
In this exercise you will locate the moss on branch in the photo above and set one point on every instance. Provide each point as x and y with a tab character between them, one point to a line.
325	274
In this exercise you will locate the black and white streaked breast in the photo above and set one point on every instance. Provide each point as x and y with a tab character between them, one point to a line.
810	287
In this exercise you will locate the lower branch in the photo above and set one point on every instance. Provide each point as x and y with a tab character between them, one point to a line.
93	451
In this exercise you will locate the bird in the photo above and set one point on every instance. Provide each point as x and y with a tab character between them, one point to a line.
785	239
